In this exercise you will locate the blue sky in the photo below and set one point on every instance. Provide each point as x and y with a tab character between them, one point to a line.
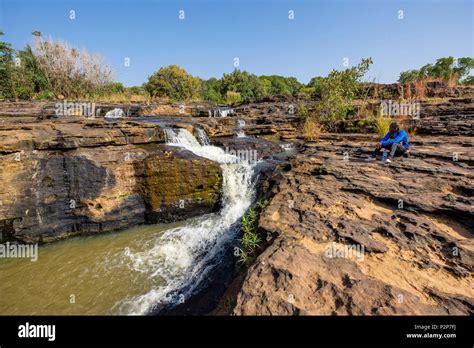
258	32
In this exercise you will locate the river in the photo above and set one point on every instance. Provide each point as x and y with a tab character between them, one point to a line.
135	270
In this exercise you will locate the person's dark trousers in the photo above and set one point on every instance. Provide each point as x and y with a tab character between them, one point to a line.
396	149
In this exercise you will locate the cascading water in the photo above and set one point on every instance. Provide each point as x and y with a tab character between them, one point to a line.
240	132
221	112
183	256
202	136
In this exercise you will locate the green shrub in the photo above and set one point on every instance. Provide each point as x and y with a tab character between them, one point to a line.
173	82
338	90
301	111
232	97
251	240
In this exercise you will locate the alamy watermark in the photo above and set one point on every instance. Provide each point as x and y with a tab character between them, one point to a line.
26	251
242	155
66	108
397	108
335	251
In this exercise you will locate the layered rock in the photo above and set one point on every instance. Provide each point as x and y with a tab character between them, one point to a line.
357	238
447	117
81	176
178	184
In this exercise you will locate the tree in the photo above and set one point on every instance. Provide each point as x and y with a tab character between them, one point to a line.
468	81
28	78
280	85
315	84
68	71
338	90
6	61
211	90
249	86
173	82
446	69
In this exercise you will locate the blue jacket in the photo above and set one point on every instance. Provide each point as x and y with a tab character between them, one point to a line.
396	137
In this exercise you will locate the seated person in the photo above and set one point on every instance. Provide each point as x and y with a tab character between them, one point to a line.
396	141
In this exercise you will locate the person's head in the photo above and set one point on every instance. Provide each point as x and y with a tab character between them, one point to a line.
394	127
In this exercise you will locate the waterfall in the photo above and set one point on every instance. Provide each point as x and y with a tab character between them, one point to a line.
240	132
184	256
115	113
221	112
202	136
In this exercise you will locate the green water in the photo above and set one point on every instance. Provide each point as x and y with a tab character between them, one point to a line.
84	275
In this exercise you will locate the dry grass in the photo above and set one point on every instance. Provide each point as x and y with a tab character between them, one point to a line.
123	98
311	130
382	124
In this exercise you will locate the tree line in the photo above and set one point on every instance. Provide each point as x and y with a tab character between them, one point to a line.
51	69
449	69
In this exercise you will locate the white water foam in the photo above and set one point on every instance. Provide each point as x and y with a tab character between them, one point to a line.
202	136
240	133
221	112
182	257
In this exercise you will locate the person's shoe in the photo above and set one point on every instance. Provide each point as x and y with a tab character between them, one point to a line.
370	158
388	160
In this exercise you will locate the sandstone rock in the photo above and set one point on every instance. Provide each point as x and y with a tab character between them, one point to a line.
178	184
413	219
80	176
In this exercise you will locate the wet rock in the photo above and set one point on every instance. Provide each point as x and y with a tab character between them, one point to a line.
73	176
178	184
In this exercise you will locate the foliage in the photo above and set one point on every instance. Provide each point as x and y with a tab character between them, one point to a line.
6	61
446	69
248	85
338	90
250	240
382	125
280	85
232	97
468	81
301	111
28	78
173	82
211	90
68	71
315	84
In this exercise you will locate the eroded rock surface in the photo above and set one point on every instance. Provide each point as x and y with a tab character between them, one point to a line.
413	218
80	176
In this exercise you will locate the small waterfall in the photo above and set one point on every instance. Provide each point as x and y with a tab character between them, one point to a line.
202	136
115	113
184	256
287	147
240	132
221	112
180	137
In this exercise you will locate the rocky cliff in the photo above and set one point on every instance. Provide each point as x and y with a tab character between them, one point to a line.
81	176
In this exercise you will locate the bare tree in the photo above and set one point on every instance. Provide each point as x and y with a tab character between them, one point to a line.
70	72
